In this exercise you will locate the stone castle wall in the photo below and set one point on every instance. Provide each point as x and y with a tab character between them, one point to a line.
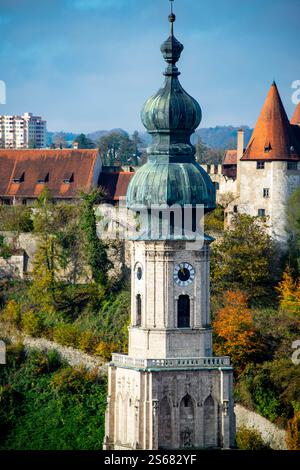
270	433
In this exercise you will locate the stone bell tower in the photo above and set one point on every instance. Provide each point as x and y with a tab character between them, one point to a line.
169	392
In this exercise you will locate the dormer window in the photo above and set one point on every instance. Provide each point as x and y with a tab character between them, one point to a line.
268	148
18	177
68	178
44	178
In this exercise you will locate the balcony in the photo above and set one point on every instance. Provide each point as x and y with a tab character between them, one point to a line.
176	363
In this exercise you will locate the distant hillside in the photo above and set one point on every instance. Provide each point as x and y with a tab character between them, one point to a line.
219	137
95	136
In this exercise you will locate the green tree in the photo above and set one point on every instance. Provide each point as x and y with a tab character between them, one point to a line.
95	248
243	259
116	147
84	142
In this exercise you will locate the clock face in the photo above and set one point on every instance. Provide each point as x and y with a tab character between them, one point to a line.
184	274
139	273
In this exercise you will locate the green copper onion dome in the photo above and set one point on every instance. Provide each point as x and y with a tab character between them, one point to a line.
171	174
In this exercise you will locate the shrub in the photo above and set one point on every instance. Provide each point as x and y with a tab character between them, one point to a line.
105	350
16	219
250	439
12	313
32	323
66	334
87	341
61	410
54	360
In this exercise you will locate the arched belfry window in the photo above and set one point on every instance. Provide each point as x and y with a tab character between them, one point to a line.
183	313
138	310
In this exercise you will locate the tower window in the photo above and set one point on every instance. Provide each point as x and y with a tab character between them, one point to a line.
292	165
261	212
183	319
235	209
266	192
138	310
260	165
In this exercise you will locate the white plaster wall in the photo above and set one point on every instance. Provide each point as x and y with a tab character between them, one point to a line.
281	183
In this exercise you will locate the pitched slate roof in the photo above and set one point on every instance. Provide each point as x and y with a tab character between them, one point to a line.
273	137
115	184
24	173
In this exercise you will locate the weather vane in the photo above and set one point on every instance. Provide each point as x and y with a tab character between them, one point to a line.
171	6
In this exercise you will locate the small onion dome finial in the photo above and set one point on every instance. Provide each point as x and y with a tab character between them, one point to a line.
172	18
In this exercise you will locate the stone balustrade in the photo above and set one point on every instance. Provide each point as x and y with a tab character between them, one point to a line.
172	363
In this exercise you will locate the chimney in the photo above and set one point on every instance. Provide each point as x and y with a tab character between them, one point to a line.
240	152
240	143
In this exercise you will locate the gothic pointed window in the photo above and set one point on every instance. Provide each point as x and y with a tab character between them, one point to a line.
183	314
165	425
138	310
187	422
210	423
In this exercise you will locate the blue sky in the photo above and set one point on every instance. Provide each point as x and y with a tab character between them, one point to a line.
86	65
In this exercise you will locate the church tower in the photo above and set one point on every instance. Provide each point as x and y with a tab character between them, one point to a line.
169	392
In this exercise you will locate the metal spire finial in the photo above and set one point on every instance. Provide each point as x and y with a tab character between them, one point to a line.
172	18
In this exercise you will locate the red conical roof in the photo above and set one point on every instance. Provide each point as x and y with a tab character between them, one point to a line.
273	137
296	118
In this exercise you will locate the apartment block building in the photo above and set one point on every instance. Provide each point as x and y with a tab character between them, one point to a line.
27	131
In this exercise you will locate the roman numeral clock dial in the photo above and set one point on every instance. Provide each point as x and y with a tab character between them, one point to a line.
184	274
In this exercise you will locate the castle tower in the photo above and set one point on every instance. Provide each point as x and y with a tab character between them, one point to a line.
270	167
169	392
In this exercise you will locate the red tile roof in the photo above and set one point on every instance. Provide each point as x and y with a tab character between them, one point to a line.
273	137
115	184
296	117
230	157
34	165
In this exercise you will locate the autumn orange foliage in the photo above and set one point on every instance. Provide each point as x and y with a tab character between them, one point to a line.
236	334
293	433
